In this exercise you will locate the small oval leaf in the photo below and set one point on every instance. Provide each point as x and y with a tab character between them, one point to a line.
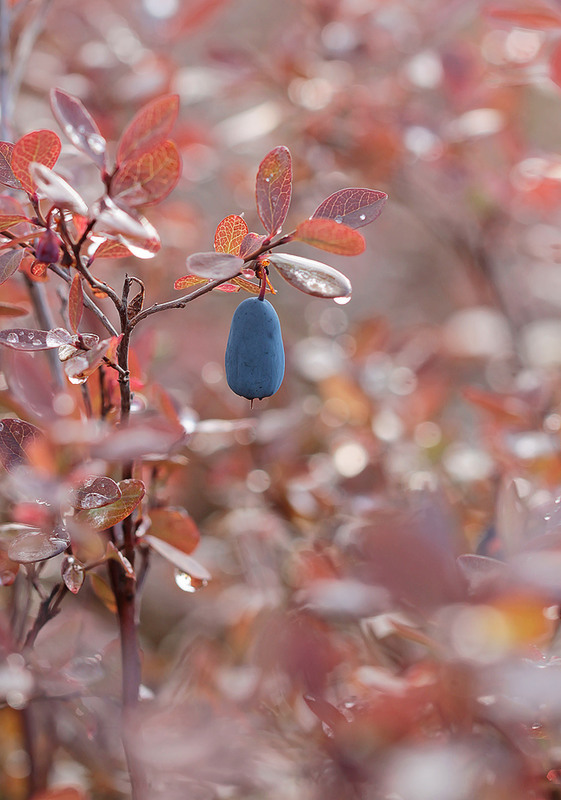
151	126
7	177
150	177
72	573
36	546
229	235
176	527
273	189
327	234
352	207
9	263
311	277
215	266
9	310
38	146
54	188
95	492
75	302
188	280
26	339
78	124
16	436
99	519
250	244
180	560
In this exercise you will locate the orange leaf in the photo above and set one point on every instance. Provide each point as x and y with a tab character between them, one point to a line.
535	19
61	793
112	249
326	234
148	178
40	146
230	234
176	527
8	220
75	303
99	519
150	127
188	280
7	177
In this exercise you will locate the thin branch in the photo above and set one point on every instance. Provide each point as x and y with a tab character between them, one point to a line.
5	82
48	609
25	45
88	302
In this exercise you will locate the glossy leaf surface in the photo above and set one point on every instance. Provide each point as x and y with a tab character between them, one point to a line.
16	436
150	177
26	339
273	189
95	492
229	235
75	302
352	207
99	519
250	244
214	266
28	548
54	188
72	573
151	126
311	277
42	147
180	560
327	234
78	125
176	527
9	263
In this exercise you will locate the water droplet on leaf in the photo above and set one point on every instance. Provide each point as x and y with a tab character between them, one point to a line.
342	301
339	219
72	574
13	338
188	584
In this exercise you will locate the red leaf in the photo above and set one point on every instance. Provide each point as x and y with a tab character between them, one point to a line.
15	437
250	244
7	177
176	527
129	228
150	127
555	64
230	234
326	234
535	19
61	793
99	519
9	220
148	178
215	266
40	146
75	303
78	125
273	189
8	310
352	207
95	492
112	249
9	263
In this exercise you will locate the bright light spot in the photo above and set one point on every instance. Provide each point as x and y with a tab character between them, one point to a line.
250	124
523	45
403	381
161	9
350	459
258	481
477	332
480	633
427	434
387	426
339	37
466	463
478	122
342	301
212	373
317	358
425	70
422	142
552	422
541	342
63	404
313	93
493	47
423	481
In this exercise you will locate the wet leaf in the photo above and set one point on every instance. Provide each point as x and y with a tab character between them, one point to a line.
72	573
26	339
78	125
99	519
9	263
42	147
55	189
8	310
229	235
352	207
273	189
129	228
250	244
7	177
58	337
149	128
150	177
188	280
28	548
79	367
327	234
214	266
75	302
95	492
115	555
176	527
182	561
15	437
311	277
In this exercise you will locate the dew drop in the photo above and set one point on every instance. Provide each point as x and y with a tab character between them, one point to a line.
30	335
13	338
268	179
339	219
1	426
96	143
362	217
36	342
342	301
188	584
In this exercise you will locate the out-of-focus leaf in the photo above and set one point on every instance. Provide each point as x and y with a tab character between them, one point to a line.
54	188
273	189
326	712
75	302
327	234
8	310
95	492
151	126
229	235
103	591
8	569
25	339
115	554
179	559
529	17
250	244
78	124
99	519
42	147
15	437
61	793
176	527
7	221
506	409
9	263
188	280
79	367
72	573
215	266
7	177
37	546
154	437
352	207
311	277
128	228
150	177
480	571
